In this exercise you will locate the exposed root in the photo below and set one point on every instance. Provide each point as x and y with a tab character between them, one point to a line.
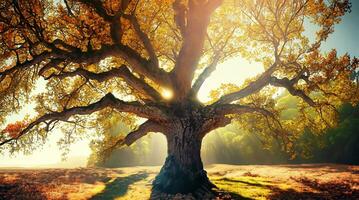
200	194
204	191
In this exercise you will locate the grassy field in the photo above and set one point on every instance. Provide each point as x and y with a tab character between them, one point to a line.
319	181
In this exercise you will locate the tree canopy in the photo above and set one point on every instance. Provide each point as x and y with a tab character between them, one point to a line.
113	59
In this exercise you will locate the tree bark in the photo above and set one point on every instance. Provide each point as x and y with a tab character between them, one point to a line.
183	169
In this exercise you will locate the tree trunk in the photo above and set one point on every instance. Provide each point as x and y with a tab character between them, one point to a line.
183	169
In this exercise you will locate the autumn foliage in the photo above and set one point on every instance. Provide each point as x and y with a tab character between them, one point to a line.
14	129
128	59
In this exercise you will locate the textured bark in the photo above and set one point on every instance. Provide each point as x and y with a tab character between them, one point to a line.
183	169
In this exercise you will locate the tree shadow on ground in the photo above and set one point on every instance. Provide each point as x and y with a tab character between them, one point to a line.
119	186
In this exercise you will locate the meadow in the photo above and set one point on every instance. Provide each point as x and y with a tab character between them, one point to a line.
304	181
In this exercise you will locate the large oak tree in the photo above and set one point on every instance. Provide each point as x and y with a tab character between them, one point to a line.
150	58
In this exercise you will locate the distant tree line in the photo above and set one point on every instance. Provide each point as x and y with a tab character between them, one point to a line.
336	145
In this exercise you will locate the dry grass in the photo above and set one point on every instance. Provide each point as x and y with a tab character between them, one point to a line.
320	181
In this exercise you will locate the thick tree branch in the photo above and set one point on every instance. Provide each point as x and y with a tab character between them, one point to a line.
213	123
253	87
213	4
62	52
227	109
204	75
143	67
116	30
139	85
68	8
289	85
78	56
144	38
36	60
180	12
114	20
58	56
197	19
217	115
266	79
142	130
54	54
57	42
108	100
98	7
212	66
122	72
139	64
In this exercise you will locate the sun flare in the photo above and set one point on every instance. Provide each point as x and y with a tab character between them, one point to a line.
166	93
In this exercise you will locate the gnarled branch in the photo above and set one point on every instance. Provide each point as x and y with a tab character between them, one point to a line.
98	7
143	66
36	60
144	38
227	109
122	72
253	87
109	100
204	75
212	66
142	130
289	85
137	63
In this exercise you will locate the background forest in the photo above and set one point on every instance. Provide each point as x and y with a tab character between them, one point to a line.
232	145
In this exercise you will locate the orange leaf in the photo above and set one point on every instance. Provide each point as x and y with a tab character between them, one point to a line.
15	128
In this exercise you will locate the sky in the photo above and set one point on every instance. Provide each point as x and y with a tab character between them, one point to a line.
236	70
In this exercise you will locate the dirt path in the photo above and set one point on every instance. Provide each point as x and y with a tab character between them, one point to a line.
319	181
